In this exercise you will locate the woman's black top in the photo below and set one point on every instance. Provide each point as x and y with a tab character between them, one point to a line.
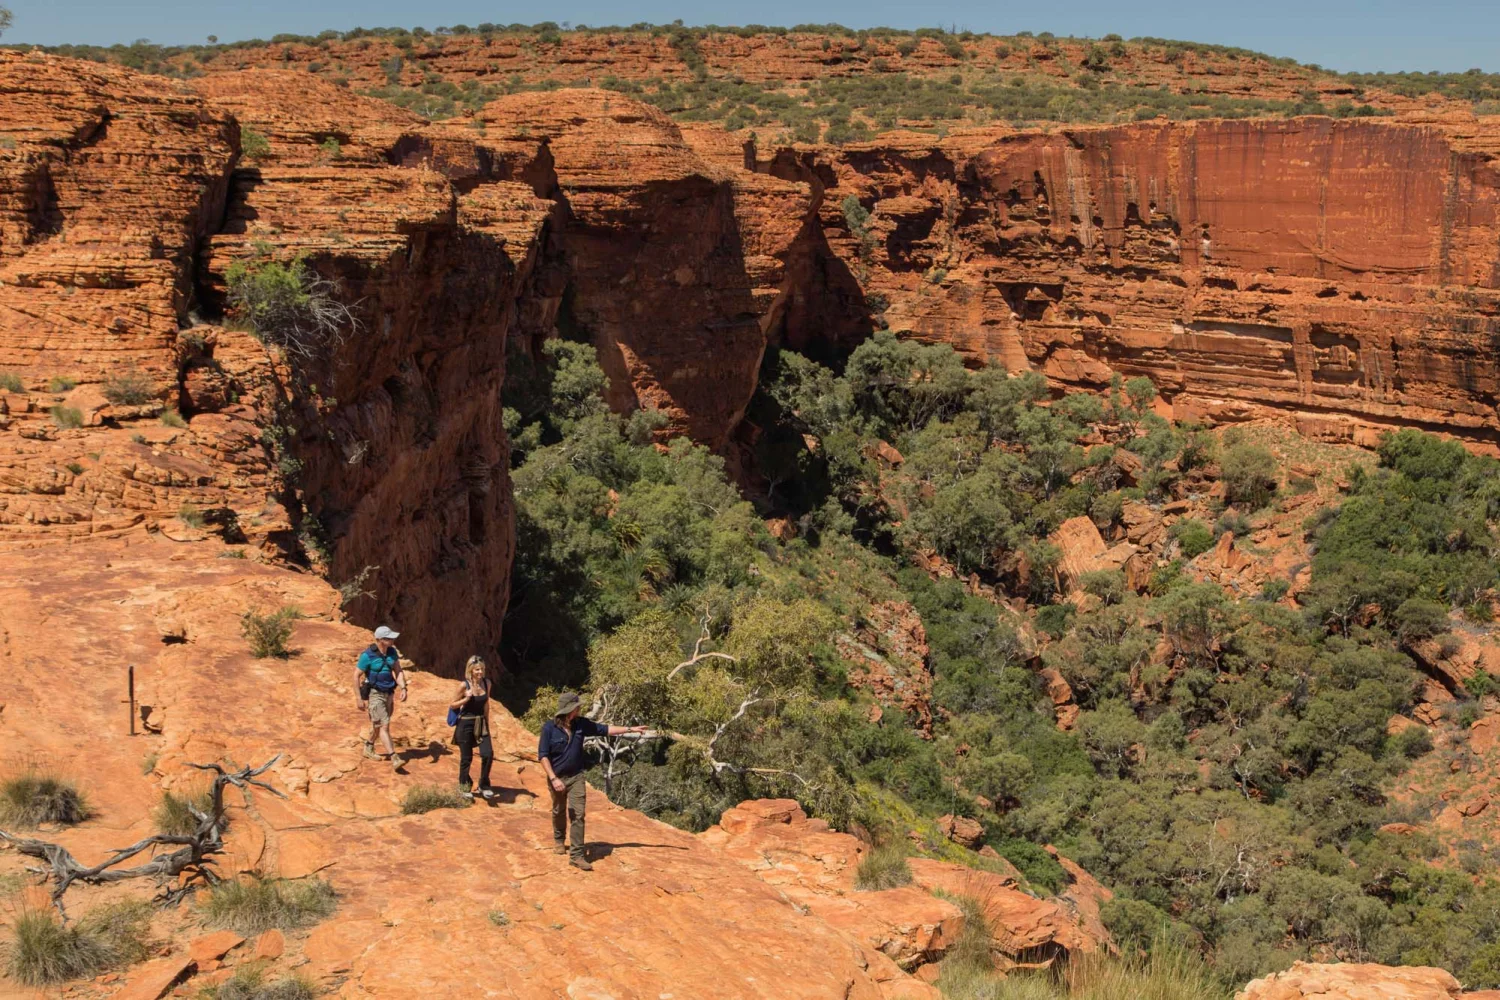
472	722
475	704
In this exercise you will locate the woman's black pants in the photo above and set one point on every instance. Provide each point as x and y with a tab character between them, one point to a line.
466	744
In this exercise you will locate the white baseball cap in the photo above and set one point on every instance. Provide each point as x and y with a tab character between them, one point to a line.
386	632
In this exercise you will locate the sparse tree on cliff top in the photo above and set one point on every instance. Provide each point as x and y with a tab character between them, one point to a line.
5	18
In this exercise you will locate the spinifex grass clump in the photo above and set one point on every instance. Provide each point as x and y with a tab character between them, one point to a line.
426	798
250	983
28	800
260	904
883	868
43	951
174	814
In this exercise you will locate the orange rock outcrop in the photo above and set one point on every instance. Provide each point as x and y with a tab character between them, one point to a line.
1307	981
663	912
816	868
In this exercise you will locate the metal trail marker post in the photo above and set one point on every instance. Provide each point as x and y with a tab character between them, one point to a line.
130	686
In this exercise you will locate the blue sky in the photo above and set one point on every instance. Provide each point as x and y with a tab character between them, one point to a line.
1341	34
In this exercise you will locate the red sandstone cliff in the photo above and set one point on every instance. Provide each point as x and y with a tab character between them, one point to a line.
1344	274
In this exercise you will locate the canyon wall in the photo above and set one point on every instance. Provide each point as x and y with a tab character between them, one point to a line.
381	457
126	199
1343	275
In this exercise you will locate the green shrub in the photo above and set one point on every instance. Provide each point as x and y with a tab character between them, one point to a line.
254	145
1054	619
1039	868
1106	584
883	868
31	799
11	382
138	438
1412	742
173	814
330	148
75	468
249	983
1249	475
1193	536
66	417
425	798
1274	590
288	304
171	418
61	383
1480	612
1418	619
257	905
190	516
268	634
1233	522
129	388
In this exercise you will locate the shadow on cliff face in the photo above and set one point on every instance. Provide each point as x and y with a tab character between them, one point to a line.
391	448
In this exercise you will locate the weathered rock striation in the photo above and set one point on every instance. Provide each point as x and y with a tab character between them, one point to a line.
1341	275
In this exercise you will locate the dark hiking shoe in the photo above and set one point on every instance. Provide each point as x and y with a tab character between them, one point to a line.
581	863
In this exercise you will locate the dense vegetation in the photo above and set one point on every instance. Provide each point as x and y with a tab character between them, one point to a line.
1225	774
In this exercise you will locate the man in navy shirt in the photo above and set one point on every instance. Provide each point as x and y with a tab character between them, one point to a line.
561	752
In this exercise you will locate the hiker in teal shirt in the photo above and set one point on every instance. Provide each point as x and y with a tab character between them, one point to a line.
378	677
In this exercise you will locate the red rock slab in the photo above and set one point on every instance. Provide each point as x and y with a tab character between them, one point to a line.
152	980
211	947
270	944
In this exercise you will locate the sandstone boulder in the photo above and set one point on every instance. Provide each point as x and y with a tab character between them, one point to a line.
1306	981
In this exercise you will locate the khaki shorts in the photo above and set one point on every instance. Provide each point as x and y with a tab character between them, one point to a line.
380	707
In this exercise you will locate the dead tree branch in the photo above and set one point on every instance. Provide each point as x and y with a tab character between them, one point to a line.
193	852
705	633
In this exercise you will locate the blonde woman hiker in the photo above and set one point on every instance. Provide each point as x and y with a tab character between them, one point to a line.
378	675
473	729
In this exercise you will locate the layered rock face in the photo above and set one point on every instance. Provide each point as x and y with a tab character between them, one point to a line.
434	237
679	268
1342	274
127	200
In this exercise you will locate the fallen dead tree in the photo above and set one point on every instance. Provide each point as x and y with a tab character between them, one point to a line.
190	853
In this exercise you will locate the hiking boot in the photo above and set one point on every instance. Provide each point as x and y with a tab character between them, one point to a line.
581	863
465	790
487	792
397	763
370	751
558	847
